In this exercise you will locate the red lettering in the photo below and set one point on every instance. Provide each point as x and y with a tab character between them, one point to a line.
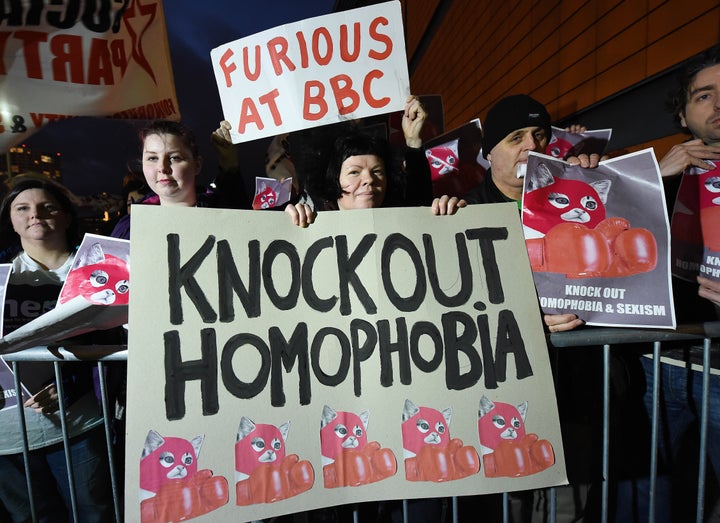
325	34
278	47
342	90
345	53
227	68
119	58
317	99
31	42
249	114
303	49
3	40
269	100
251	75
379	37
100	64
37	119
68	55
375	103
2	127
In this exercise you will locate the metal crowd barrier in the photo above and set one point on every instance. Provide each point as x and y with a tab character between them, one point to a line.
606	339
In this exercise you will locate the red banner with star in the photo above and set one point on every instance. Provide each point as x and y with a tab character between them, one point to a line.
82	59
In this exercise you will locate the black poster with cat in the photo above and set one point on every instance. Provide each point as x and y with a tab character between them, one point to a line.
598	240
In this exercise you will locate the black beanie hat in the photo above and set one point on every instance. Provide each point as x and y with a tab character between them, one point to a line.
510	114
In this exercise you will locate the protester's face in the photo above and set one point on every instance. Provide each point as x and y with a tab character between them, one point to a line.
36	215
170	169
511	153
702	109
363	182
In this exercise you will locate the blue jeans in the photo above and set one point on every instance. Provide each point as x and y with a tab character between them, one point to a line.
680	407
51	490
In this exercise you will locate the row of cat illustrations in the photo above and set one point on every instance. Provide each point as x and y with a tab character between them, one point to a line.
172	487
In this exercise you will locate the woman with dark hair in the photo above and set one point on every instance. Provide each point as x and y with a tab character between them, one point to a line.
356	169
39	235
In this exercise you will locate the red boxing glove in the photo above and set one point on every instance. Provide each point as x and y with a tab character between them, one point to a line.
442	464
359	467
271	482
570	248
519	458
634	250
710	223
178	500
610	249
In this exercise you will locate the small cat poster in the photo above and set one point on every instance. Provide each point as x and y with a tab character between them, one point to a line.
453	159
598	240
564	144
695	231
271	193
93	297
376	354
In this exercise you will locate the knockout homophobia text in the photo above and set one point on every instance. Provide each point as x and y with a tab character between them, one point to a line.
462	341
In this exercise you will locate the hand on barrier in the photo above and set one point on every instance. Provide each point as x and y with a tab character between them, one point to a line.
271	482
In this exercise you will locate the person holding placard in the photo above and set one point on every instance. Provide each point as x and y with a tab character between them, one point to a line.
359	170
38	224
695	106
171	163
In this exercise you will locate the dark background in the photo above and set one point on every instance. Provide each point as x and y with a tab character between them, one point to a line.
96	151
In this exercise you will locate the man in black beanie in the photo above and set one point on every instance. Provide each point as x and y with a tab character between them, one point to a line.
513	127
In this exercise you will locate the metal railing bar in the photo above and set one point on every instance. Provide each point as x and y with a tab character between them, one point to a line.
109	440
704	415
25	445
66	441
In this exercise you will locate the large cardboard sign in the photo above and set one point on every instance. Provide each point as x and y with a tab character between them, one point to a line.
318	71
599	240
274	369
64	59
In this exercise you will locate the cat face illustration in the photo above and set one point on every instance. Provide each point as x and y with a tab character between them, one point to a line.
500	422
259	443
342	430
443	159
265	199
100	278
423	426
167	458
710	186
550	201
558	148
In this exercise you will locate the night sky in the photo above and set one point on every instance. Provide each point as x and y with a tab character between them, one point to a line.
96	151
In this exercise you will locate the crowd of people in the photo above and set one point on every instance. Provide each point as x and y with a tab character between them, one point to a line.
347	168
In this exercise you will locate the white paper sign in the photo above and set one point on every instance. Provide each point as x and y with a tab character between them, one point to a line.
318	71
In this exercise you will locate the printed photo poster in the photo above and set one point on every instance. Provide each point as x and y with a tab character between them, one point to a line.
322	70
564	144
56	65
377	354
453	159
694	227
8	398
271	193
94	296
598	240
